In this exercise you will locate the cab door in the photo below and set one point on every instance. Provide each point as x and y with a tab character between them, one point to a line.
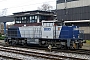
47	30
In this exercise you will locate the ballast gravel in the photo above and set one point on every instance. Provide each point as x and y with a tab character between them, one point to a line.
56	53
42	51
23	57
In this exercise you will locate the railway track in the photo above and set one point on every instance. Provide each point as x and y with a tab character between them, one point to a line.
80	51
77	51
9	58
37	54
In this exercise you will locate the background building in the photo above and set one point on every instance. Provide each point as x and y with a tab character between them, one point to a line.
32	18
75	12
3	21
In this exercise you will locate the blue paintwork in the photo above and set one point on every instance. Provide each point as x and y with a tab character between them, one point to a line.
4	28
69	32
16	32
47	29
75	32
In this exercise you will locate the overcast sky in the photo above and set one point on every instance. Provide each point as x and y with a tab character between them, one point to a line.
23	5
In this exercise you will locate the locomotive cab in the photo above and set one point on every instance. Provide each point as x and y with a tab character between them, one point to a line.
49	28
58	35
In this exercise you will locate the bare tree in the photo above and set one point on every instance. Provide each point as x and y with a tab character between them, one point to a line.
3	12
45	7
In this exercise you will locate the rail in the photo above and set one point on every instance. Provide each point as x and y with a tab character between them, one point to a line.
38	54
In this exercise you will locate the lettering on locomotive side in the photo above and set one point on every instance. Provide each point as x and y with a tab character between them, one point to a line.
47	29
